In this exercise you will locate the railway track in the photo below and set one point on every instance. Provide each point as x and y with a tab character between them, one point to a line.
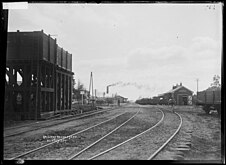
171	137
155	152
93	151
139	131
108	134
59	118
40	122
66	137
13	131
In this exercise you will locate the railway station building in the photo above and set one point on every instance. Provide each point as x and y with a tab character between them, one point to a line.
181	95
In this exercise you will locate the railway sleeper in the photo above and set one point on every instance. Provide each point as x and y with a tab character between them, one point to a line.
184	144
184	150
178	157
176	154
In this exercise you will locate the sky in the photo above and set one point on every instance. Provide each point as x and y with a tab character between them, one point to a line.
142	50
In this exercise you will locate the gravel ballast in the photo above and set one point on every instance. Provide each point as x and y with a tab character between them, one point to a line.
198	140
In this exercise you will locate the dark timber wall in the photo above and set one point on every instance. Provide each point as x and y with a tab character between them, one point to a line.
38	76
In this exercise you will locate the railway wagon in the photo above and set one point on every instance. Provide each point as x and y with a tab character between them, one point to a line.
210	100
151	101
163	101
38	82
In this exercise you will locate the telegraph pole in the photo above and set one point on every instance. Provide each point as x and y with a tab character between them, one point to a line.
91	88
197	88
197	85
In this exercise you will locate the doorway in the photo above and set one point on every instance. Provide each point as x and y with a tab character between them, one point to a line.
182	99
185	100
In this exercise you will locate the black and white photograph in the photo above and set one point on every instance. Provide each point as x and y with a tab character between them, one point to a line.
113	81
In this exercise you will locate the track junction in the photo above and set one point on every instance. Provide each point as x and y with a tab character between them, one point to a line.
129	132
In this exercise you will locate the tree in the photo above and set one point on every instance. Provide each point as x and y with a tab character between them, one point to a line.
216	81
77	92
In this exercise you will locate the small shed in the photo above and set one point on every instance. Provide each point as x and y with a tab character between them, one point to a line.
121	99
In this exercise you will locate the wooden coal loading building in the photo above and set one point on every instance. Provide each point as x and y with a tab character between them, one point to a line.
38	76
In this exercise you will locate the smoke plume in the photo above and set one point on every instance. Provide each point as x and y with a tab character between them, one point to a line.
123	84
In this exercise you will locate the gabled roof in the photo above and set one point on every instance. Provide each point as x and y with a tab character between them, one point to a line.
118	96
177	88
174	90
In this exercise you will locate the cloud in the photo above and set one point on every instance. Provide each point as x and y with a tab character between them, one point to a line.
102	63
173	64
143	58
103	69
204	48
201	48
200	44
99	37
95	14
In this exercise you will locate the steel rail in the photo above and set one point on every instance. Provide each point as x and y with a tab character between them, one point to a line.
83	150
161	148
71	119
69	136
46	121
120	144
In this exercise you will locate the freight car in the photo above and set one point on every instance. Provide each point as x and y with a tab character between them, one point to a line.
163	101
144	101
152	101
210	99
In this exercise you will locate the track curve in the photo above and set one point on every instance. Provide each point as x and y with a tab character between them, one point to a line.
130	138
161	148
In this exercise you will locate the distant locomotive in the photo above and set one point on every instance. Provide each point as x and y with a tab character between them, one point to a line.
210	99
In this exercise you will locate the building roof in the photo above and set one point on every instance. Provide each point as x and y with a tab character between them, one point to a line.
118	96
174	90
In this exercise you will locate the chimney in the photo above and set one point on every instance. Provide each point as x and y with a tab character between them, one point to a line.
180	83
107	90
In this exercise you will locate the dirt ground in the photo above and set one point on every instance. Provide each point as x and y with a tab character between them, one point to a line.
142	147
18	144
199	137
